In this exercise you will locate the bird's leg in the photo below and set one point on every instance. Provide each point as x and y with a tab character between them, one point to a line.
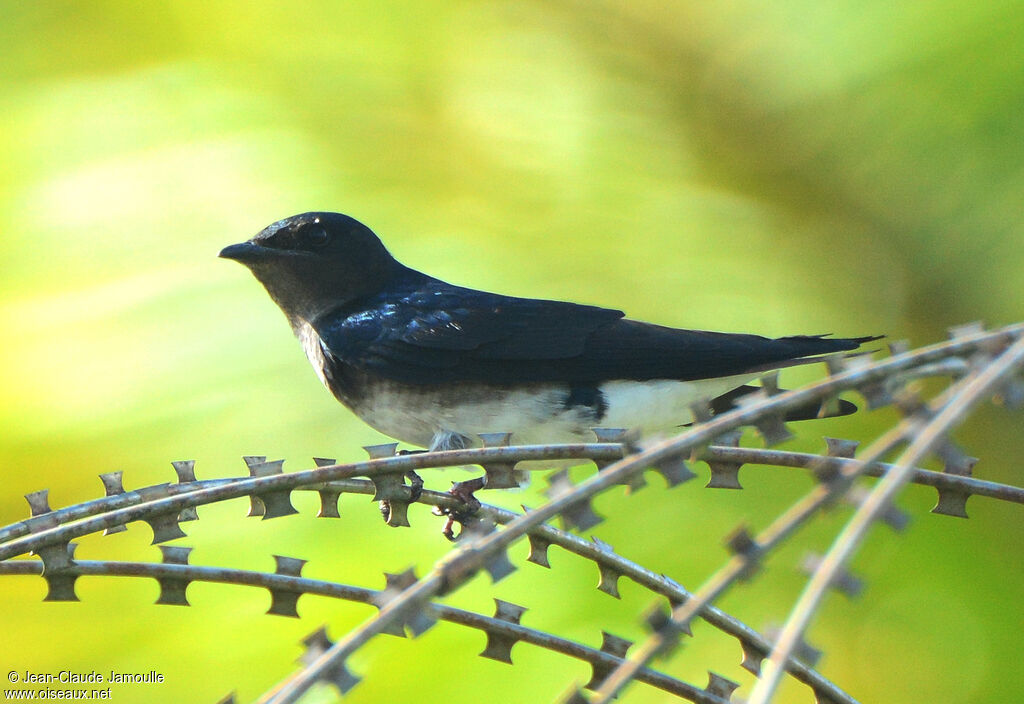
415	486
463	491
415	491
415	481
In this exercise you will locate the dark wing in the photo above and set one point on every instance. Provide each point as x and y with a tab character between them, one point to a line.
486	326
441	333
438	333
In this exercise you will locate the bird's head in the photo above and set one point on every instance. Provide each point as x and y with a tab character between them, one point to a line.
313	262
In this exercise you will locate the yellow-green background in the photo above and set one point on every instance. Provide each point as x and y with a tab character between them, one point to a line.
785	167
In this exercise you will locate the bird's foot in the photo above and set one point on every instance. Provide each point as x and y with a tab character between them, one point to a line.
415	491
463	491
415	485
415	481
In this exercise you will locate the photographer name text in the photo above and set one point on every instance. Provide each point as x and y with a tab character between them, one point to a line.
93	677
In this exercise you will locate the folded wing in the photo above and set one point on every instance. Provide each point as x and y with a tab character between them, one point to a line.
433	333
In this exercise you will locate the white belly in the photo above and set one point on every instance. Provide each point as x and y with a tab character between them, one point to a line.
662	404
536	415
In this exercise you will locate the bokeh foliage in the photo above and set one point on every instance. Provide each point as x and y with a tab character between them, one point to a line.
769	167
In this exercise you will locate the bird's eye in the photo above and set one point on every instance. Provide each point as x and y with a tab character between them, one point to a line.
316	236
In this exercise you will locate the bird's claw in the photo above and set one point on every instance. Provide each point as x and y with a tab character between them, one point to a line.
415	485
415	492
463	491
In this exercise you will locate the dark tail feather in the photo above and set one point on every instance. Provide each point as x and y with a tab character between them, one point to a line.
810	411
807	345
802	349
836	344
810	349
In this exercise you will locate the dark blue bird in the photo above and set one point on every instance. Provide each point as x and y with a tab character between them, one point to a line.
434	364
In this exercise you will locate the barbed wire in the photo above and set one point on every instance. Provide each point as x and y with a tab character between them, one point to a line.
285	585
749	551
937	419
410	604
611	566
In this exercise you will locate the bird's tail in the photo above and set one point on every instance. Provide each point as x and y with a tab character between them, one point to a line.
810	349
815	409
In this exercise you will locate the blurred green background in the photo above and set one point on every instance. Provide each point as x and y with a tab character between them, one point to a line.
779	168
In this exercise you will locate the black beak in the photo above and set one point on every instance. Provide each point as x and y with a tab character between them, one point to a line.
242	252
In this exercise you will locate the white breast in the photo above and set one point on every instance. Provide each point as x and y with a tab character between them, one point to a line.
311	346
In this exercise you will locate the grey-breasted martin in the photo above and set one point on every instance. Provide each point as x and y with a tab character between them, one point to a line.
434	365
